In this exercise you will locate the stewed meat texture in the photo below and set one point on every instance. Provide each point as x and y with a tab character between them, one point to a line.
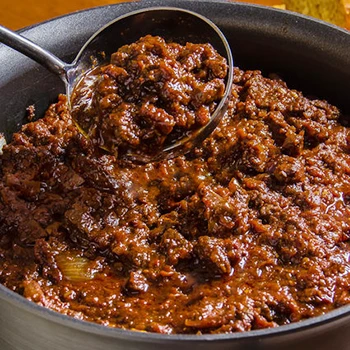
248	231
151	95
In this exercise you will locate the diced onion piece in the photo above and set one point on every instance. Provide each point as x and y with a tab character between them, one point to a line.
76	268
2	142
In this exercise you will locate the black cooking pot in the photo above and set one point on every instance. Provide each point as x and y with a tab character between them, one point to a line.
309	55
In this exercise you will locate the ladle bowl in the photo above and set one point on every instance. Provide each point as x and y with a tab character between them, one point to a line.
173	24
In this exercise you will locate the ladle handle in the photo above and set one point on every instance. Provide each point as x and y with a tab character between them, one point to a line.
33	51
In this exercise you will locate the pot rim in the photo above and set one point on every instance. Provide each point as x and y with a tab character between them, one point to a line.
6	295
19	301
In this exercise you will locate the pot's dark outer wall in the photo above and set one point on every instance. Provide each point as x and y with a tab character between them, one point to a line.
311	56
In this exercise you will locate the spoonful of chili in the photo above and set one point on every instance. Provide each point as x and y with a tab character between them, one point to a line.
149	85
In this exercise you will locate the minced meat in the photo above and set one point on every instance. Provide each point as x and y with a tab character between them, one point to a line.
249	231
151	95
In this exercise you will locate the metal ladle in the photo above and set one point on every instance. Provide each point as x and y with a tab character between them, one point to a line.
175	24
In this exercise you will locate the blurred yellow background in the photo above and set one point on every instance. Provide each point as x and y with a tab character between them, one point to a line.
16	14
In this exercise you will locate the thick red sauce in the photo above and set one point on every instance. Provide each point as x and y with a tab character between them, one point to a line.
250	230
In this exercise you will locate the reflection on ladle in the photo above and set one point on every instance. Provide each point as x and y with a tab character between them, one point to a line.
175	25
